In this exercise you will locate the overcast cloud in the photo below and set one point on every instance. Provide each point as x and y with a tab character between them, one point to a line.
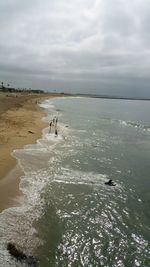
91	46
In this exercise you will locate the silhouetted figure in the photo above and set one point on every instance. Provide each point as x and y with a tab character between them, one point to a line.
20	256
56	133
50	125
53	121
110	183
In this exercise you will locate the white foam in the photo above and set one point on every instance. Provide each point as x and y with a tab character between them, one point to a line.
79	177
47	104
19	220
123	123
33	160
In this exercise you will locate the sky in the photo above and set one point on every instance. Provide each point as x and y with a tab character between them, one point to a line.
86	46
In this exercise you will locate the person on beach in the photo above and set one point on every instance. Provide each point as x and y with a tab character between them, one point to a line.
50	125
53	120
56	133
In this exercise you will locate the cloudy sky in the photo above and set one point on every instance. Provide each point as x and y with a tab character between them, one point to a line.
90	46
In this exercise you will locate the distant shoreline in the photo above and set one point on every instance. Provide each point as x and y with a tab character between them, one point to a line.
111	97
42	92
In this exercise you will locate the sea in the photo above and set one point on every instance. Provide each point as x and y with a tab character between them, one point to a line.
68	216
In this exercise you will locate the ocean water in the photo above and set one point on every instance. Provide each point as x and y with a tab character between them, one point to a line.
68	216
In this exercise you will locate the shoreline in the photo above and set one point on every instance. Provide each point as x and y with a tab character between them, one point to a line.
20	124
10	194
111	97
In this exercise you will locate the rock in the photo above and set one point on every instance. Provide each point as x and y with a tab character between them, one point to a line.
30	132
21	256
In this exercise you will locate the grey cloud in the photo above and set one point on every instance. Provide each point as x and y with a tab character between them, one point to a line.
89	45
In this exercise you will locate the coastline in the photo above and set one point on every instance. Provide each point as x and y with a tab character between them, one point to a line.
20	124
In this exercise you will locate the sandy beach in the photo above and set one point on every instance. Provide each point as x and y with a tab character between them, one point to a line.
20	124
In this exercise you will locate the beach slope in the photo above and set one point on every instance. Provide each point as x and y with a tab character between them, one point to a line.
20	124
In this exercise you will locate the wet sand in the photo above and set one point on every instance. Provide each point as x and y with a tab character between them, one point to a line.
20	124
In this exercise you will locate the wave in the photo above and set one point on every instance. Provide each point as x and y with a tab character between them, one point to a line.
134	124
139	125
97	213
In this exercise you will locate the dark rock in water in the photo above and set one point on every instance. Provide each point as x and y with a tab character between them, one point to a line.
110	183
20	256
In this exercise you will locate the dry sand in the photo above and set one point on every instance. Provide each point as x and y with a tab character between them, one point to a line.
20	124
